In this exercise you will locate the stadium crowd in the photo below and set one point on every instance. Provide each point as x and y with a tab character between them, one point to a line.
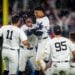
57	10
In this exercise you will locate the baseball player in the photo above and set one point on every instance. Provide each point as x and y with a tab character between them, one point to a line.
59	49
42	27
72	37
12	36
26	54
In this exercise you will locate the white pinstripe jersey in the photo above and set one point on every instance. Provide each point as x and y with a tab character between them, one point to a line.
12	36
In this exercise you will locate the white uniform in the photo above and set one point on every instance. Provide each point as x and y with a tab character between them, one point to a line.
42	40
25	54
60	49
12	36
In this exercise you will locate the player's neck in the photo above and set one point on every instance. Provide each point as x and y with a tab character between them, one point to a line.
15	25
40	16
57	36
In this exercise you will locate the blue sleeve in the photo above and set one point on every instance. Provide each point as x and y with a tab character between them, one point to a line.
39	26
36	32
29	32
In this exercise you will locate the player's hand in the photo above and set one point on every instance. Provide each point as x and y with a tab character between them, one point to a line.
41	64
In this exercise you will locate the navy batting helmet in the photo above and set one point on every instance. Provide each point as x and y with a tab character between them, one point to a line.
57	30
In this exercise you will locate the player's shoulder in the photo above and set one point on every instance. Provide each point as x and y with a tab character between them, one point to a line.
15	28
24	27
8	26
42	18
46	20
45	17
5	27
58	38
67	39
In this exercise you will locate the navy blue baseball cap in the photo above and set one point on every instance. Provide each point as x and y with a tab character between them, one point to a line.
57	29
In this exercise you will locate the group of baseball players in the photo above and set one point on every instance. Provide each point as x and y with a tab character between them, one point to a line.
48	56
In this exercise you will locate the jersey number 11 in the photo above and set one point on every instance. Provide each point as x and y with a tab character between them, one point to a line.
9	34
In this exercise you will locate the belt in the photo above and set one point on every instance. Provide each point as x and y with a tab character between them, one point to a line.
72	66
10	48
61	61
27	48
30	48
45	37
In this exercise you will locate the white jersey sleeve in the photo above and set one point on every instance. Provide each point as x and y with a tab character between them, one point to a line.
22	35
47	23
71	45
24	28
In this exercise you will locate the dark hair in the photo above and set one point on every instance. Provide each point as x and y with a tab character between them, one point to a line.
57	30
72	36
40	9
15	19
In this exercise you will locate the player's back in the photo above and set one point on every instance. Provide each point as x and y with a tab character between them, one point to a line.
60	48
11	36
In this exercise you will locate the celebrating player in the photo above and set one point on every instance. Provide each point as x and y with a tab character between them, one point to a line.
12	36
27	54
42	27
59	49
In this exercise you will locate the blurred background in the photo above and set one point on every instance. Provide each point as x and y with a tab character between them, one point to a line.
25	6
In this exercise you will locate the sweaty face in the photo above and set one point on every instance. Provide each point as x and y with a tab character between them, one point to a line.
29	22
38	13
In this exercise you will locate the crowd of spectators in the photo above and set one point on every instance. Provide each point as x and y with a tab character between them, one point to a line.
59	11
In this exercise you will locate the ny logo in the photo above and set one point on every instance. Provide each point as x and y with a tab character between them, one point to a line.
39	26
